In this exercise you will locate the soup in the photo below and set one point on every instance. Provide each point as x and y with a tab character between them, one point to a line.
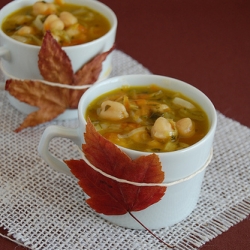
149	119
69	24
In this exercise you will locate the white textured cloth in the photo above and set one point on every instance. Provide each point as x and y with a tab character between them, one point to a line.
43	209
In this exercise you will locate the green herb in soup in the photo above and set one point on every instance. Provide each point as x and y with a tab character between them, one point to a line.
69	24
148	119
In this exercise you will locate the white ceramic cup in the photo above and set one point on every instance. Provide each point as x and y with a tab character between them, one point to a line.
184	169
20	60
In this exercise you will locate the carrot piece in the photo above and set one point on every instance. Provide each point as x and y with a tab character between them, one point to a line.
141	102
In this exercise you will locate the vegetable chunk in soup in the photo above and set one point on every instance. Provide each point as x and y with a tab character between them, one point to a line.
69	24
148	119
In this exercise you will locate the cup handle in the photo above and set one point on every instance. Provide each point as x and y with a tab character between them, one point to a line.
5	53
43	147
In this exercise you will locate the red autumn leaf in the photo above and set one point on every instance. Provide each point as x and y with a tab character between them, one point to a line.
108	196
88	74
51	101
54	66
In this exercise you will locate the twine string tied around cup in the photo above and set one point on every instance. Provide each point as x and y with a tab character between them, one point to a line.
149	184
52	84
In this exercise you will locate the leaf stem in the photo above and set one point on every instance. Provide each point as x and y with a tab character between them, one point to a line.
163	242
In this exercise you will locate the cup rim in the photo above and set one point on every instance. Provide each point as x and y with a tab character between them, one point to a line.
213	120
84	3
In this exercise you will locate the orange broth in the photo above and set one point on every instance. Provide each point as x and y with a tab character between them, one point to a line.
90	25
141	104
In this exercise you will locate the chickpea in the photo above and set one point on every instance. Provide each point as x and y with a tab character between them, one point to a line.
185	127
78	31
25	30
57	25
68	19
50	19
52	22
163	130
43	8
112	110
160	108
39	8
73	31
51	8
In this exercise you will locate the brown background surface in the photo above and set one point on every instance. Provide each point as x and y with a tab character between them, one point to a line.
205	43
